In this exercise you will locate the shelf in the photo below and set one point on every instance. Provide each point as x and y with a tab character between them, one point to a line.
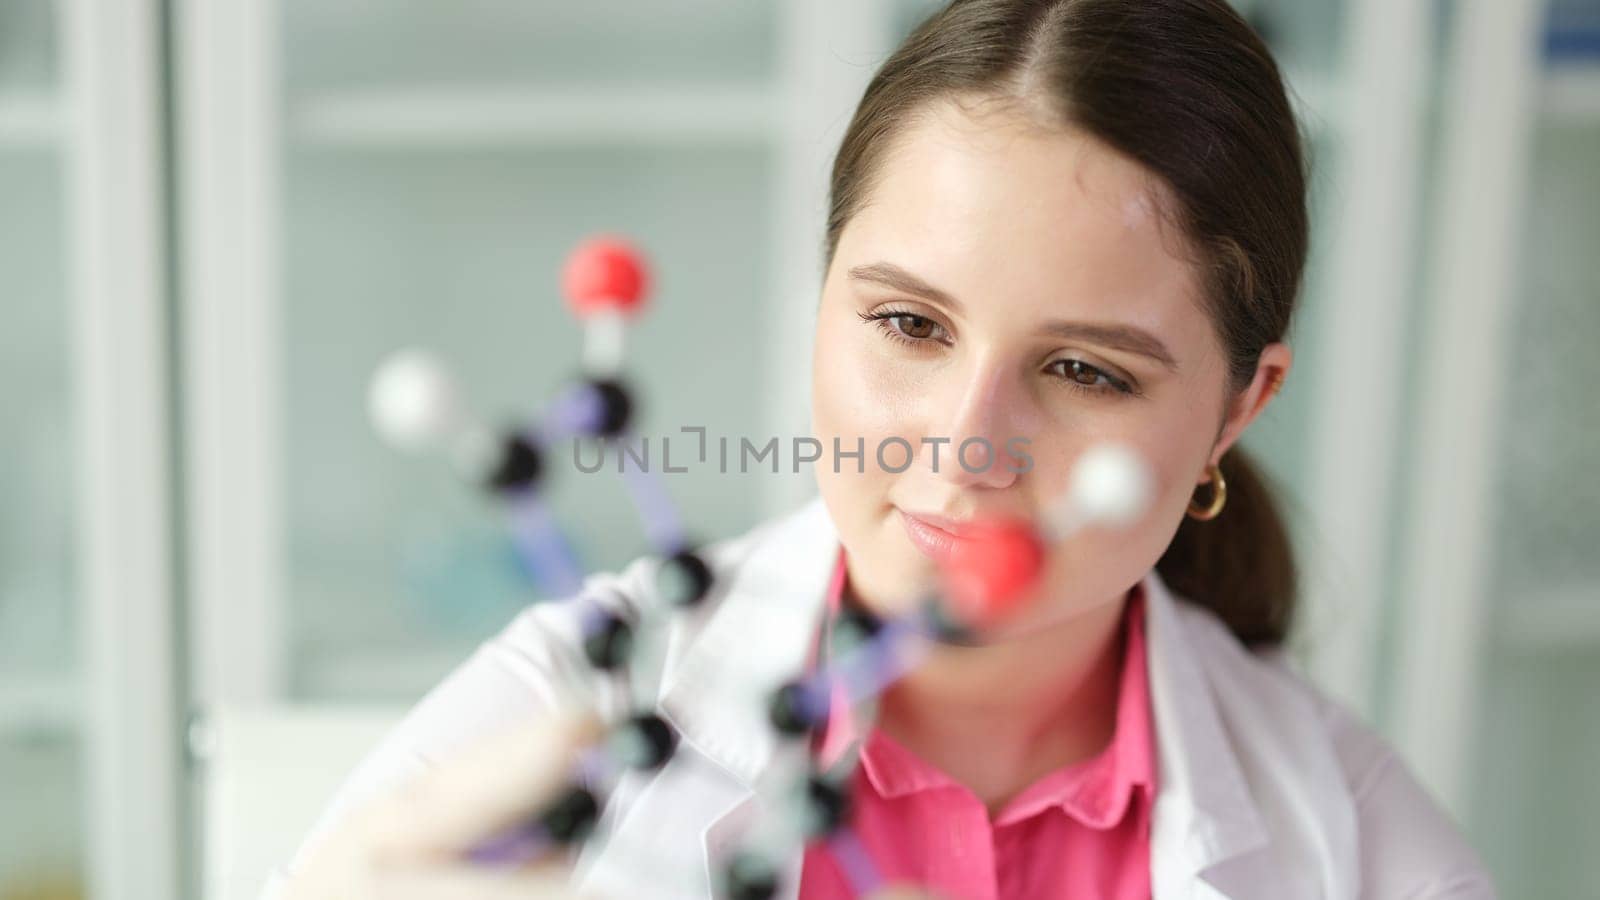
1553	619
29	120
33	705
465	116
368	674
1569	93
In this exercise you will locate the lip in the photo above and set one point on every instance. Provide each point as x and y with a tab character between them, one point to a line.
934	536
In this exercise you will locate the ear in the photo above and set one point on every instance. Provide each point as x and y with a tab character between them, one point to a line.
1271	369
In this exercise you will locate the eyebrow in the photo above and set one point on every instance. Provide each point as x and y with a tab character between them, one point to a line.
1108	334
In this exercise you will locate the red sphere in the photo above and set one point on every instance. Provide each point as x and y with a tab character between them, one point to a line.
990	569
605	273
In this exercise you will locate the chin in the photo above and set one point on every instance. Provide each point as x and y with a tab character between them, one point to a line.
892	579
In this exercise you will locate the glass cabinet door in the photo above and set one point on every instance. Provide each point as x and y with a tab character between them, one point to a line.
88	705
1534	803
439	163
41	776
427	170
1490	673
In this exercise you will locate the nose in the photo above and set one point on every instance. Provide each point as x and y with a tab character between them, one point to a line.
986	404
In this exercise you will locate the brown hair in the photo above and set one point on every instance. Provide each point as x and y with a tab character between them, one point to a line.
1187	89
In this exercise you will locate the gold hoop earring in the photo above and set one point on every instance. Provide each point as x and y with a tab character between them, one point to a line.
1219	497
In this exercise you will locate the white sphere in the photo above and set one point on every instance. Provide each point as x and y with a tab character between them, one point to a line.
412	400
1110	485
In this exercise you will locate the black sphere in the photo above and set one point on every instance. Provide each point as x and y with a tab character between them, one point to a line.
827	804
788	710
616	406
519	466
610	644
648	741
946	628
748	876
572	817
858	624
685	579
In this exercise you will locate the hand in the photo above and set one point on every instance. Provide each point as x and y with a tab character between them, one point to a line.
409	844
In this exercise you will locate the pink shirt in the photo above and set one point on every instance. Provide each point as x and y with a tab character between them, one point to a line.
1081	831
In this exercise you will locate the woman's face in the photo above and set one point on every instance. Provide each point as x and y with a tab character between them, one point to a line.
1018	285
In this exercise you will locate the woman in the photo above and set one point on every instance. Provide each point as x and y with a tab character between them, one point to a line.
1054	223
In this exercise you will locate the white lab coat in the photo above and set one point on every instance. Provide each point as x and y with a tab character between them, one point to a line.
1266	788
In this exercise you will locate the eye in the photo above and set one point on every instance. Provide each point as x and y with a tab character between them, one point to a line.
907	327
1081	376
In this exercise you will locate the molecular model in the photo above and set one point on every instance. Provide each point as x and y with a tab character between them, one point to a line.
414	404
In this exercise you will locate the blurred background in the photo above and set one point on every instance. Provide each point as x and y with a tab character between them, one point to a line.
219	217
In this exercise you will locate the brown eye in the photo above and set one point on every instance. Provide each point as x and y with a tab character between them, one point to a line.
914	326
1083	373
1080	376
907	328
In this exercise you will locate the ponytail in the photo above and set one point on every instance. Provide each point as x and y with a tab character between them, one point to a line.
1239	565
